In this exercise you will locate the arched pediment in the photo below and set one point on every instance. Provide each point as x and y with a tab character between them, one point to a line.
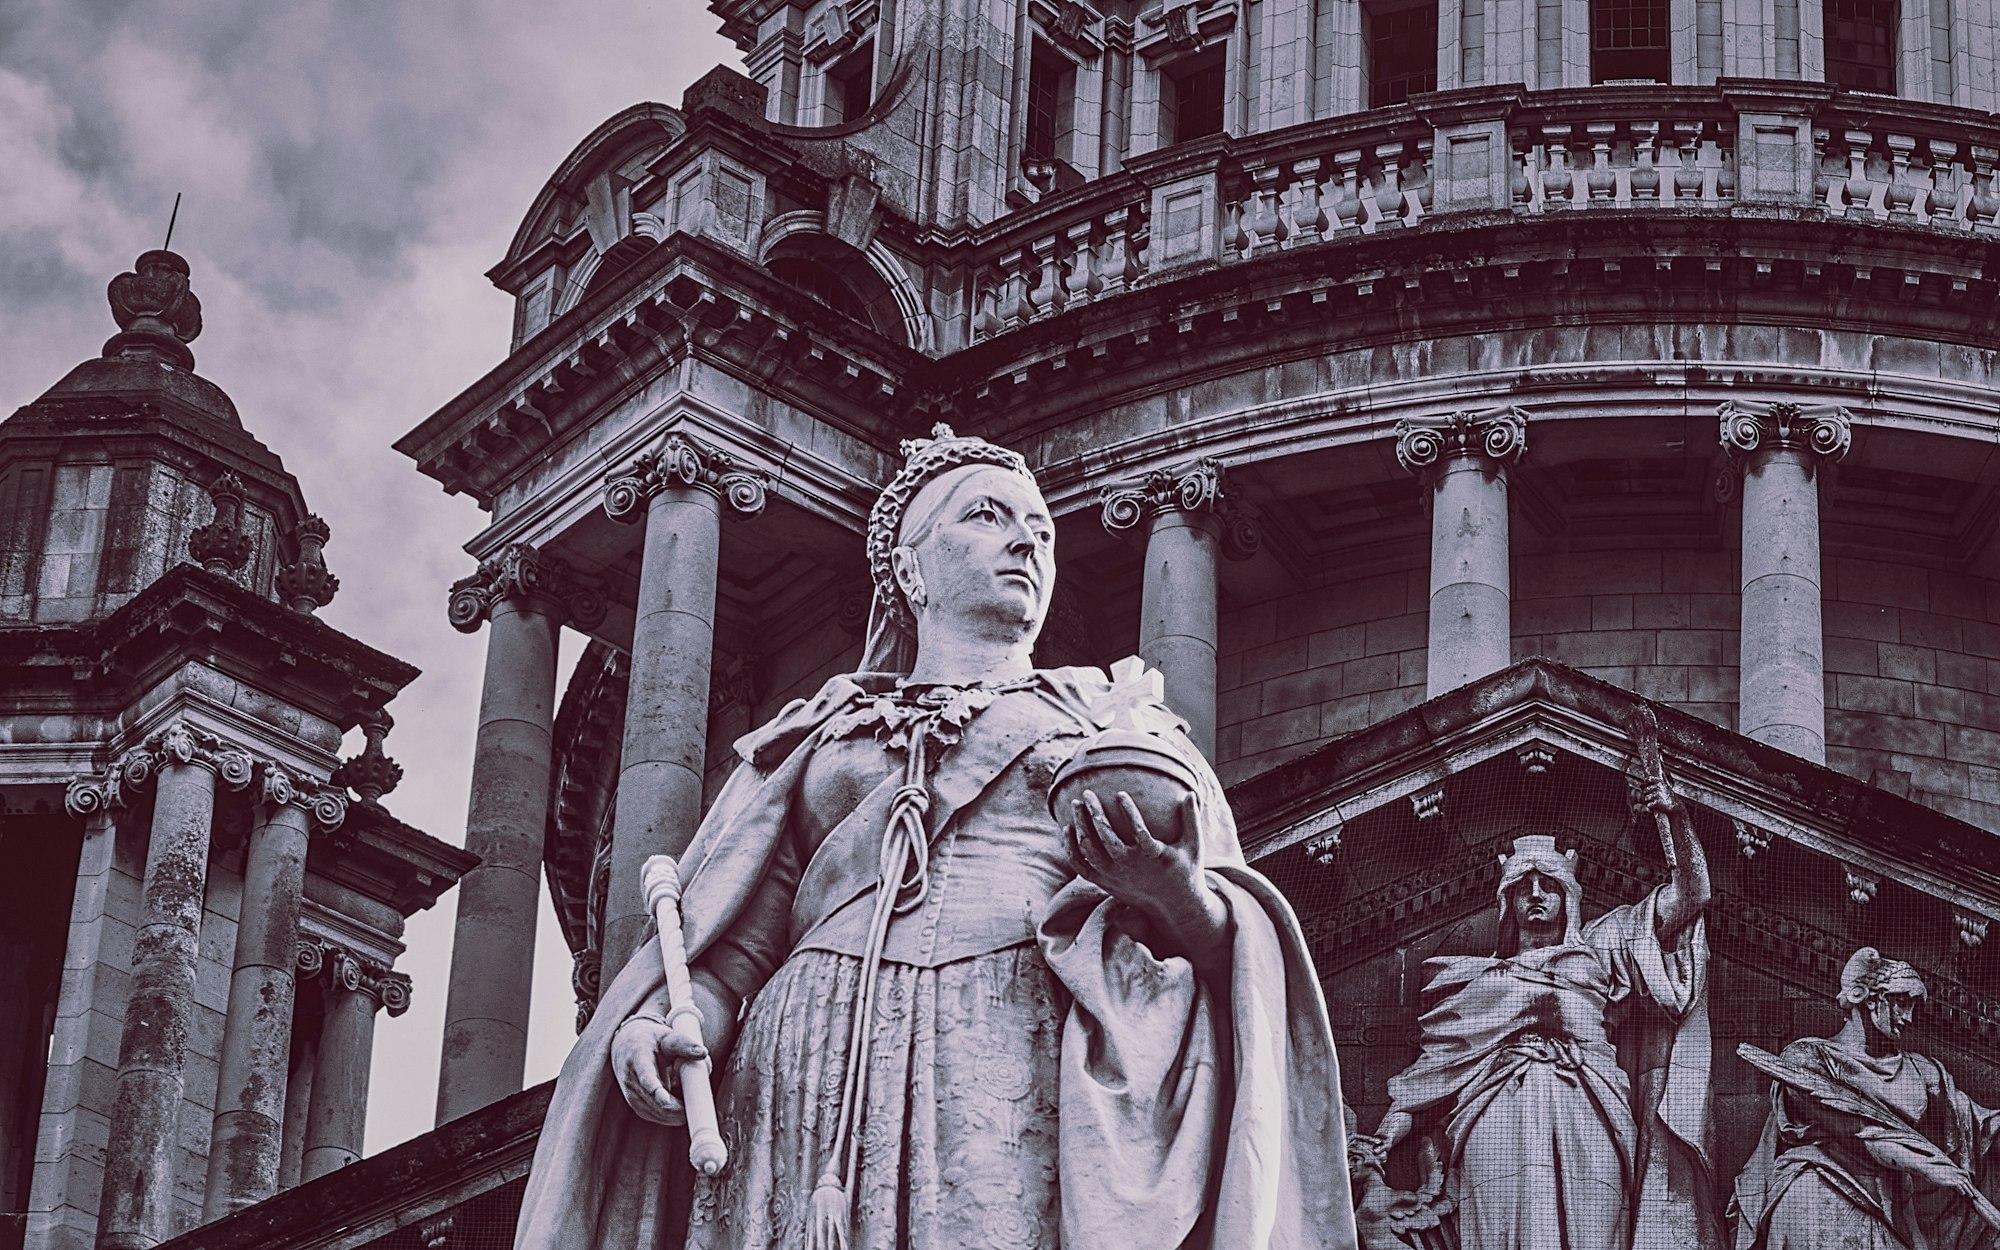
642	129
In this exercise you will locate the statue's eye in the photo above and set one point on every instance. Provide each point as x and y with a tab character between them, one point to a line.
981	510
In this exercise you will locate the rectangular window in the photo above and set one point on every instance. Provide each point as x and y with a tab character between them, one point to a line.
1401	45
1629	41
1051	106
1192	96
1861	45
1471	42
850	85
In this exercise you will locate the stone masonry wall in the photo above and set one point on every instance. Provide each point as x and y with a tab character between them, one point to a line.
1912	660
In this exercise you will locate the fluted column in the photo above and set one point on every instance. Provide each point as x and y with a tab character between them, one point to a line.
526	598
1464	458
337	1112
678	490
1776	450
184	766
1189	518
247	1142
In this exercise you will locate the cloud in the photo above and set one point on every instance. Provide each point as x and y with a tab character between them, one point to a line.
350	168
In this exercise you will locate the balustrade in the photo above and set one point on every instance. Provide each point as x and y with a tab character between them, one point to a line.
1612	150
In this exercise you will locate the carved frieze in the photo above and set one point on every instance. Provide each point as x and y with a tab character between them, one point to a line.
519	571
1198	487
681	461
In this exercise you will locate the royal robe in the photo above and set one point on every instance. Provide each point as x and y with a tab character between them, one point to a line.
1192	1112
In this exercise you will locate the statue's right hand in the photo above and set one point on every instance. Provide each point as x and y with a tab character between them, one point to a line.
645	1059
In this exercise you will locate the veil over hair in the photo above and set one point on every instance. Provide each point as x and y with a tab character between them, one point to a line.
892	630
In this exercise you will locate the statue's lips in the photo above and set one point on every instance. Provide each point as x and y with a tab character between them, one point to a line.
1024	575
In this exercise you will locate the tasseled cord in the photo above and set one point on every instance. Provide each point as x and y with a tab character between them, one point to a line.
904	882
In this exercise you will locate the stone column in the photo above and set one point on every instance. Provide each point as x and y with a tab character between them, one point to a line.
1464	459
136	1210
337	1113
1775	451
298	1100
247	1141
526	597
1190	516
678	490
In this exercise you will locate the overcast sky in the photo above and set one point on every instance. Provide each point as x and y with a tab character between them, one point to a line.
351	168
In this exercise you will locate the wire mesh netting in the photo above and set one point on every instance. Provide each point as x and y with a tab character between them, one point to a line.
1516	1083
483	1222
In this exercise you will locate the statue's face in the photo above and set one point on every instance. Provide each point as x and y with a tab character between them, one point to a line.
1537	901
988	558
1889	1014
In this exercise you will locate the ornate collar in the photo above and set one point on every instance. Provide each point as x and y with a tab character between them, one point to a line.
942	710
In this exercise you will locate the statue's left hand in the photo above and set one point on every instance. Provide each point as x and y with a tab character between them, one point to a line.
1162	879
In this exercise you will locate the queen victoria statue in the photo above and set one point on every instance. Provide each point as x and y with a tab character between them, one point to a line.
955	993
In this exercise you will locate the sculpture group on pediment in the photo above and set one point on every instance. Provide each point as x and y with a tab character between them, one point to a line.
1531	1133
1522	1126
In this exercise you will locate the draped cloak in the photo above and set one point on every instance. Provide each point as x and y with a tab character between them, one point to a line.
1519	1061
1812	1183
1195	1114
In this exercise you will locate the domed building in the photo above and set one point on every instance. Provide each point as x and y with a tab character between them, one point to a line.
1463	403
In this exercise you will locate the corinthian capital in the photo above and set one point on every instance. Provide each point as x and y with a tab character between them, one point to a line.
1824	430
684	462
519	571
350	970
1424	444
1198	487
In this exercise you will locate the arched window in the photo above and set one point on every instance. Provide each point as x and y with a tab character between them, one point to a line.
621	256
837	275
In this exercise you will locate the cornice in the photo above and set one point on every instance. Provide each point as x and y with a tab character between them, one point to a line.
1540	701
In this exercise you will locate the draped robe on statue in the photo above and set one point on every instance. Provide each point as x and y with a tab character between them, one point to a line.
1546	1146
1811	1182
1037	1077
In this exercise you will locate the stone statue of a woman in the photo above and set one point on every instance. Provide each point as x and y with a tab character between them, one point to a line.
1098	1035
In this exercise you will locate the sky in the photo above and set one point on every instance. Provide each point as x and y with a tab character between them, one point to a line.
350	170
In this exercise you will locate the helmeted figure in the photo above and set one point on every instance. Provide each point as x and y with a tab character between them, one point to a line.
1869	1146
1543	1139
1041	1035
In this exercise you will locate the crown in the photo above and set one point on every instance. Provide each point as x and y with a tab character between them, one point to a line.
924	459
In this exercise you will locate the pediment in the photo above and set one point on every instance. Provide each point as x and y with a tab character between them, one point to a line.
1388	844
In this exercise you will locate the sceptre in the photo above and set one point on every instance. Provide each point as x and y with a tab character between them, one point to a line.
661	880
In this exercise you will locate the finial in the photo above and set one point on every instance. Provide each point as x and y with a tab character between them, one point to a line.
157	315
305	585
223	545
372	773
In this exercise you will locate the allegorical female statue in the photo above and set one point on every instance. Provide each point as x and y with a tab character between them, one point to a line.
1869	1146
1544	1140
941	1018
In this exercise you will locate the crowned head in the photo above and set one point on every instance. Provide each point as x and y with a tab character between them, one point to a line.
1541	899
960	539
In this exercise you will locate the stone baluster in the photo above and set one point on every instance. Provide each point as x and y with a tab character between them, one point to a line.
1191	518
337	1112
526	597
184	765
1465	458
678	490
247	1141
1776	450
